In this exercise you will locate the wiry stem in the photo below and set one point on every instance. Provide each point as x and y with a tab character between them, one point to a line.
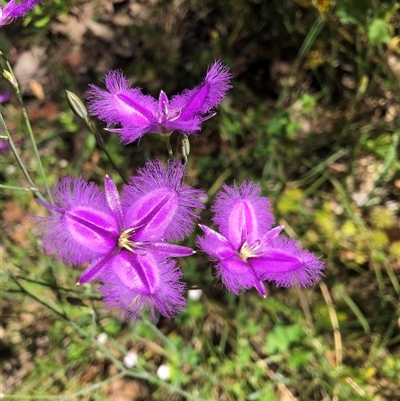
142	375
168	143
14	83
100	143
32	186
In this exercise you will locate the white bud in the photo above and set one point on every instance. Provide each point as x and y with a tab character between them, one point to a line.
10	170
63	163
164	372
102	338
130	359
195	294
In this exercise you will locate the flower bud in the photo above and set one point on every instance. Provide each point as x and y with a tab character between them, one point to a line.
76	104
183	146
9	77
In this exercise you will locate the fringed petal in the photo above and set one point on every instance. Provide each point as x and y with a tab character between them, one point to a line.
120	104
137	284
170	250
242	214
208	94
81	226
287	264
15	9
157	202
215	244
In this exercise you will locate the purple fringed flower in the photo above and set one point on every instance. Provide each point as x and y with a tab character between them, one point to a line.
139	114
126	241
15	9
247	251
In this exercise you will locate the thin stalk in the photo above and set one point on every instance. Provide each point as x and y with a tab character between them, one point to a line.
160	335
114	165
335	323
310	38
30	132
56	287
168	143
354	308
127	372
214	283
79	109
20	162
93	387
100	143
14	188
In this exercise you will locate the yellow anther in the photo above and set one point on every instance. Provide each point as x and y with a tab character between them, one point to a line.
248	251
124	241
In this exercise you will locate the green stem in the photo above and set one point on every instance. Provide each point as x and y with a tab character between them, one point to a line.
128	372
114	165
93	387
168	143
20	162
160	335
215	282
56	287
14	188
100	143
30	132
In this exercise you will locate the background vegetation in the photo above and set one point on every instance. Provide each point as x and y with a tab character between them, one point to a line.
313	117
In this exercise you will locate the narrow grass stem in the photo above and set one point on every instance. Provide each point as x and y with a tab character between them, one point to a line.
354	308
123	370
160	335
93	387
129	372
53	286
14	188
335	323
32	186
30	132
306	309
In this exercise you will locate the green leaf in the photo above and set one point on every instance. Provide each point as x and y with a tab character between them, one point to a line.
282	337
277	124
299	359
353	11
378	32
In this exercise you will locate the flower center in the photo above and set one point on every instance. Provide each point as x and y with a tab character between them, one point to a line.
124	240
249	250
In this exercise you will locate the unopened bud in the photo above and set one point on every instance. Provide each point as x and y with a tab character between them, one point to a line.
9	77
183	146
76	105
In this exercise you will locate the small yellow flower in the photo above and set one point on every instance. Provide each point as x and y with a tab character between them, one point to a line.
322	5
